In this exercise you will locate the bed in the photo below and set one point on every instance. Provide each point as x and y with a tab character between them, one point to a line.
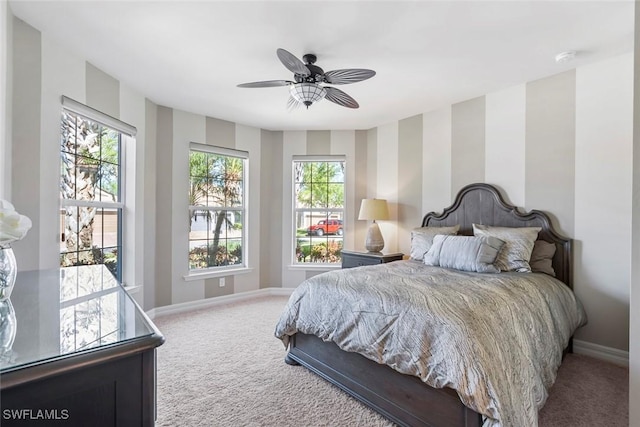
457	383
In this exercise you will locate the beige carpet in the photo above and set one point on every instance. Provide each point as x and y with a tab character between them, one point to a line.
208	377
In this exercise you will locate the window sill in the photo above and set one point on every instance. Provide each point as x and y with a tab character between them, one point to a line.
132	289
217	273
315	266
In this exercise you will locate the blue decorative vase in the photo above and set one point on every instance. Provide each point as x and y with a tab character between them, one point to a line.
8	271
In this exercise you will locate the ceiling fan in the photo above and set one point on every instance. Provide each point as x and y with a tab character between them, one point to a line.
305	89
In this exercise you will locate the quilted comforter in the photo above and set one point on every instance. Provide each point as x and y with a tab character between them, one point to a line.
497	339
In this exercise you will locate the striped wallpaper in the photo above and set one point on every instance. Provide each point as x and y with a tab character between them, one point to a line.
562	144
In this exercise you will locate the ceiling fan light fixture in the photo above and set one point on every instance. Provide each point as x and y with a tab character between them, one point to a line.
307	93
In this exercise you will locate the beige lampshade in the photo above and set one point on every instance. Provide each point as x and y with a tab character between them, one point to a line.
374	209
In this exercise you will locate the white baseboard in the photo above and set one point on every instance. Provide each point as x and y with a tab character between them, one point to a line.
212	302
613	355
280	291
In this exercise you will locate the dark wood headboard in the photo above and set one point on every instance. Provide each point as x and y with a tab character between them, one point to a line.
483	204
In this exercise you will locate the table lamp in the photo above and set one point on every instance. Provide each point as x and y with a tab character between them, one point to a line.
373	209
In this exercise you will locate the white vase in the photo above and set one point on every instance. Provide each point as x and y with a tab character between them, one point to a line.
8	271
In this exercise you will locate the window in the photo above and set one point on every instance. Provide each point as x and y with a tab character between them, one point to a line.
217	207
91	187
318	210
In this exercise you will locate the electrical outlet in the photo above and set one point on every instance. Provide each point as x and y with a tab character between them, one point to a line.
222	282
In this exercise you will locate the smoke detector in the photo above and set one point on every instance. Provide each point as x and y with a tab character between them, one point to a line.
566	56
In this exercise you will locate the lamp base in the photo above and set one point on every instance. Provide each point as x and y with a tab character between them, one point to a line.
374	241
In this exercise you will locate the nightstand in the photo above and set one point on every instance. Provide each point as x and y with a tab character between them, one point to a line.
356	259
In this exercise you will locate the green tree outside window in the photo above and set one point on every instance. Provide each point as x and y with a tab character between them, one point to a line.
216	200
319	211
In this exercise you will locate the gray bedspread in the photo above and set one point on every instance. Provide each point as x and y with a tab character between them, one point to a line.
497	339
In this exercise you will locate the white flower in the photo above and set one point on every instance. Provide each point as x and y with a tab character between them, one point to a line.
13	226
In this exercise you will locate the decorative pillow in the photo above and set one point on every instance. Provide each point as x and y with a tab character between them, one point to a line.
466	253
422	239
542	256
516	252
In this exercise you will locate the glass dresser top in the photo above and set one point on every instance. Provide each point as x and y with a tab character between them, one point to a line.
58	312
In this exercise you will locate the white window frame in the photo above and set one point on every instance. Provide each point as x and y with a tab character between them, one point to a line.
314	158
127	138
220	271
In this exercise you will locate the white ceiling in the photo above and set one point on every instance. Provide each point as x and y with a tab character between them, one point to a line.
427	54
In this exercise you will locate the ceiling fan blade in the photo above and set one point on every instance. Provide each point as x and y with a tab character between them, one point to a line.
267	83
292	63
348	75
340	98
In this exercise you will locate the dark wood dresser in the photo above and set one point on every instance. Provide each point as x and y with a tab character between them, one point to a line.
352	259
83	353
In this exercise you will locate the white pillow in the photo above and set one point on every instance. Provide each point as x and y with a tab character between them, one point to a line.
516	252
422	239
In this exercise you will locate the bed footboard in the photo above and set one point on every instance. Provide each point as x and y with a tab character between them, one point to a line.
403	399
